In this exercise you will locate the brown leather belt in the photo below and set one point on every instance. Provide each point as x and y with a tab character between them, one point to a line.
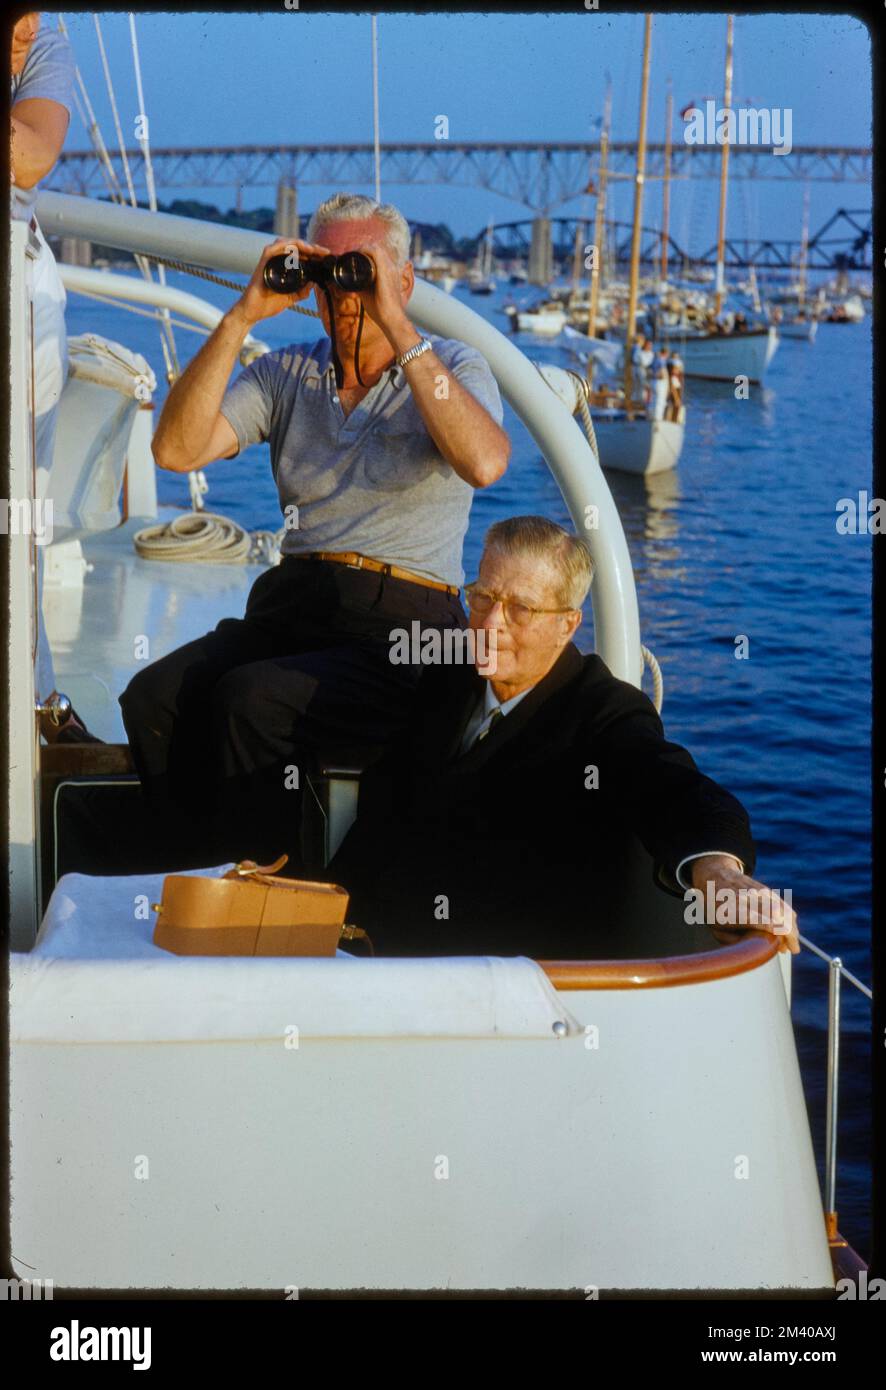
363	562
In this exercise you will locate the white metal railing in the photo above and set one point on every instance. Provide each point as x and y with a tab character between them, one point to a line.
836	969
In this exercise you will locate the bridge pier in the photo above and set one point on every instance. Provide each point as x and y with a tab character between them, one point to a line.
541	261
74	251
286	215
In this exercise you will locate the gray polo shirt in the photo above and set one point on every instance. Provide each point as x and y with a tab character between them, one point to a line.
48	73
374	482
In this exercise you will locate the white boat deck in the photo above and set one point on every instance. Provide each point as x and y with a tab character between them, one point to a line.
94	630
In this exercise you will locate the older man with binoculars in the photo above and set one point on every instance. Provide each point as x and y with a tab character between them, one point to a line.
378	437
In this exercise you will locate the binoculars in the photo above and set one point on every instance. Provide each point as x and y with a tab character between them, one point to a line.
351	271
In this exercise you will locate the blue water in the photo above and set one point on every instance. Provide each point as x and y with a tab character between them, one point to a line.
740	540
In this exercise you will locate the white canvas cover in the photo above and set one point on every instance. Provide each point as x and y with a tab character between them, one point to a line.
95	975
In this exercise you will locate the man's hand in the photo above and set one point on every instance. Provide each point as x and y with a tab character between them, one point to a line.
257	302
384	301
757	906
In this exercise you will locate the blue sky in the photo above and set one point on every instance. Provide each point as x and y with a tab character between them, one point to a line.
217	79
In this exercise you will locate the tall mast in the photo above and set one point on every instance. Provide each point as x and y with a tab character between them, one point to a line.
638	213
576	259
375	134
599	214
724	169
804	247
666	185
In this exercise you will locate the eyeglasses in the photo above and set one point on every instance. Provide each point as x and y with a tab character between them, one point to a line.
481	601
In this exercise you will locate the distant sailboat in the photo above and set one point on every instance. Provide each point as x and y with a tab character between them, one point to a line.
715	353
548	319
480	280
630	440
792	315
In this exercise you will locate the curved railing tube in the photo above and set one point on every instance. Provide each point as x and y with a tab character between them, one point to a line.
564	447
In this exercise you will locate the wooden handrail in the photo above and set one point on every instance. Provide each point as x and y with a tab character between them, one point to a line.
658	973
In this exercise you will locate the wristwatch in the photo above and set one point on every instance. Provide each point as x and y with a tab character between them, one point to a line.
411	353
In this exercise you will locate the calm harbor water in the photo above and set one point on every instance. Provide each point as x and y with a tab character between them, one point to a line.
740	540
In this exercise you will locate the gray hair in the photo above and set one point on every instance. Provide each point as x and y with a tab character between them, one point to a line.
544	540
353	207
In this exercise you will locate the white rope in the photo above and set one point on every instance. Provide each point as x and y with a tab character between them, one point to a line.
657	678
585	413
209	538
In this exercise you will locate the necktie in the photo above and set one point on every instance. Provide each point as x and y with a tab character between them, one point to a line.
494	717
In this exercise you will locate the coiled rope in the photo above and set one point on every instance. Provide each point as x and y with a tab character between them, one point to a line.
209	538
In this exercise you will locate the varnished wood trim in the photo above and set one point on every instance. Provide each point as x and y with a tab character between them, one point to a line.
757	948
85	759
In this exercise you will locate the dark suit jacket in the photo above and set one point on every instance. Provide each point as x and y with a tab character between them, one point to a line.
510	849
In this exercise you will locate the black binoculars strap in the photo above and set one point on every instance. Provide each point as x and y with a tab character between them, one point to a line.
336	360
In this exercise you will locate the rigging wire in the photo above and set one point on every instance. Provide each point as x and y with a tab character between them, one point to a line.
142	136
93	129
112	97
96	138
166	340
145	313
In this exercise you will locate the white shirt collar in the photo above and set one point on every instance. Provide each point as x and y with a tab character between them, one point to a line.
492	702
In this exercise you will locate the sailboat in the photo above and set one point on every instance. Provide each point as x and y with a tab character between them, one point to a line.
711	352
480	279
790	311
627	435
249	1085
547	318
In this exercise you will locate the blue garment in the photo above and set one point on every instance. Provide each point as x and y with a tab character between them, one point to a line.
373	481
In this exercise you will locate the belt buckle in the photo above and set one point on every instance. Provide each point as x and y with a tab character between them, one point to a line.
349	564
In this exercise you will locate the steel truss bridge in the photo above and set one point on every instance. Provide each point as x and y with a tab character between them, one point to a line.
841	243
541	176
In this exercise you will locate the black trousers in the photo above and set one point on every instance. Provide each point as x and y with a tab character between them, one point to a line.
225	729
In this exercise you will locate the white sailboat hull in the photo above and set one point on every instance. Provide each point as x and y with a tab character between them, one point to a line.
547	324
804	331
723	357
850	310
638	446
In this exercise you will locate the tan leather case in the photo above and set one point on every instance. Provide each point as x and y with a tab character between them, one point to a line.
249	915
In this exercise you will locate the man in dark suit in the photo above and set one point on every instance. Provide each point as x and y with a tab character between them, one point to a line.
534	806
